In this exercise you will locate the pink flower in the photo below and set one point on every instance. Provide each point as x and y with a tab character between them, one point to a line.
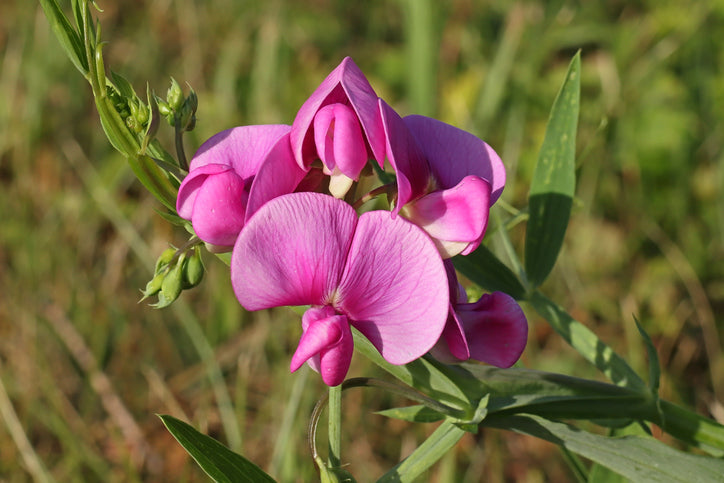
467	177
381	275
232	175
493	329
340	125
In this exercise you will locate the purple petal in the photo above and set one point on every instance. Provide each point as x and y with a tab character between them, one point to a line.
394	288
339	140
454	154
278	174
219	207
243	148
495	328
326	344
190	187
458	215
405	157
346	85
452	346
292	251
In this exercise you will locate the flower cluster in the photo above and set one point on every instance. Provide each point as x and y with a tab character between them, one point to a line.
287	201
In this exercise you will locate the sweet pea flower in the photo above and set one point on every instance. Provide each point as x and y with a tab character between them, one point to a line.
467	177
340	125
492	330
379	274
231	176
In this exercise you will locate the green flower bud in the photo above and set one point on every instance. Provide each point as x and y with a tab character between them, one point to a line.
188	112
172	284
164	259
163	108
175	95
153	286
193	269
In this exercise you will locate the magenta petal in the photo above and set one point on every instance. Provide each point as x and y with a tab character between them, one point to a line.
405	157
458	214
292	251
452	346
339	140
495	328
243	148
277	175
394	288
454	154
328	340
346	85
219	208
190	187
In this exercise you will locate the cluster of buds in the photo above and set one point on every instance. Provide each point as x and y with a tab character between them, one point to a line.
176	270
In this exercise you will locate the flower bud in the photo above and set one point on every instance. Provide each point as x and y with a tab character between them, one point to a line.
172	284
164	259
175	95
193	269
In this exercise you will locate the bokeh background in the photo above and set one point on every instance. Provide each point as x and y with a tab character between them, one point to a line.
85	368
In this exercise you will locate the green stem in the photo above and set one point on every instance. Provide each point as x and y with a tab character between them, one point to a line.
691	428
334	413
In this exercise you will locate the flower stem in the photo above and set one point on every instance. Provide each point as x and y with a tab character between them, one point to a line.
335	425
384	189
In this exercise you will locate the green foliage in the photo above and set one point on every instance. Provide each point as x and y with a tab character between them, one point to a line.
218	461
554	180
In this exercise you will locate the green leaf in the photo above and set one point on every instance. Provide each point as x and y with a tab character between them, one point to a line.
427	454
218	461
414	414
423	374
587	343
654	365
486	270
554	180
69	39
635	457
124	87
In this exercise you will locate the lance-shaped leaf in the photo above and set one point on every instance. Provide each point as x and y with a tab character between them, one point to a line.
554	180
218	461
635	457
486	270
69	38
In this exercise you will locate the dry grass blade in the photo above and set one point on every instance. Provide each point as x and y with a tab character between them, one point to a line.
139	448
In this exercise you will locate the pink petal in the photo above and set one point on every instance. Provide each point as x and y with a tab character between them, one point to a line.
219	207
454	154
346	85
405	157
190	187
243	148
339	140
326	344
394	288
278	174
452	346
292	251
458	214
495	328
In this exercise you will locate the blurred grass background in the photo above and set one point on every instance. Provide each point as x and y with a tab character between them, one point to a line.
84	367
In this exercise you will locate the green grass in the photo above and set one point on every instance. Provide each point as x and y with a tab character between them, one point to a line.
86	368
